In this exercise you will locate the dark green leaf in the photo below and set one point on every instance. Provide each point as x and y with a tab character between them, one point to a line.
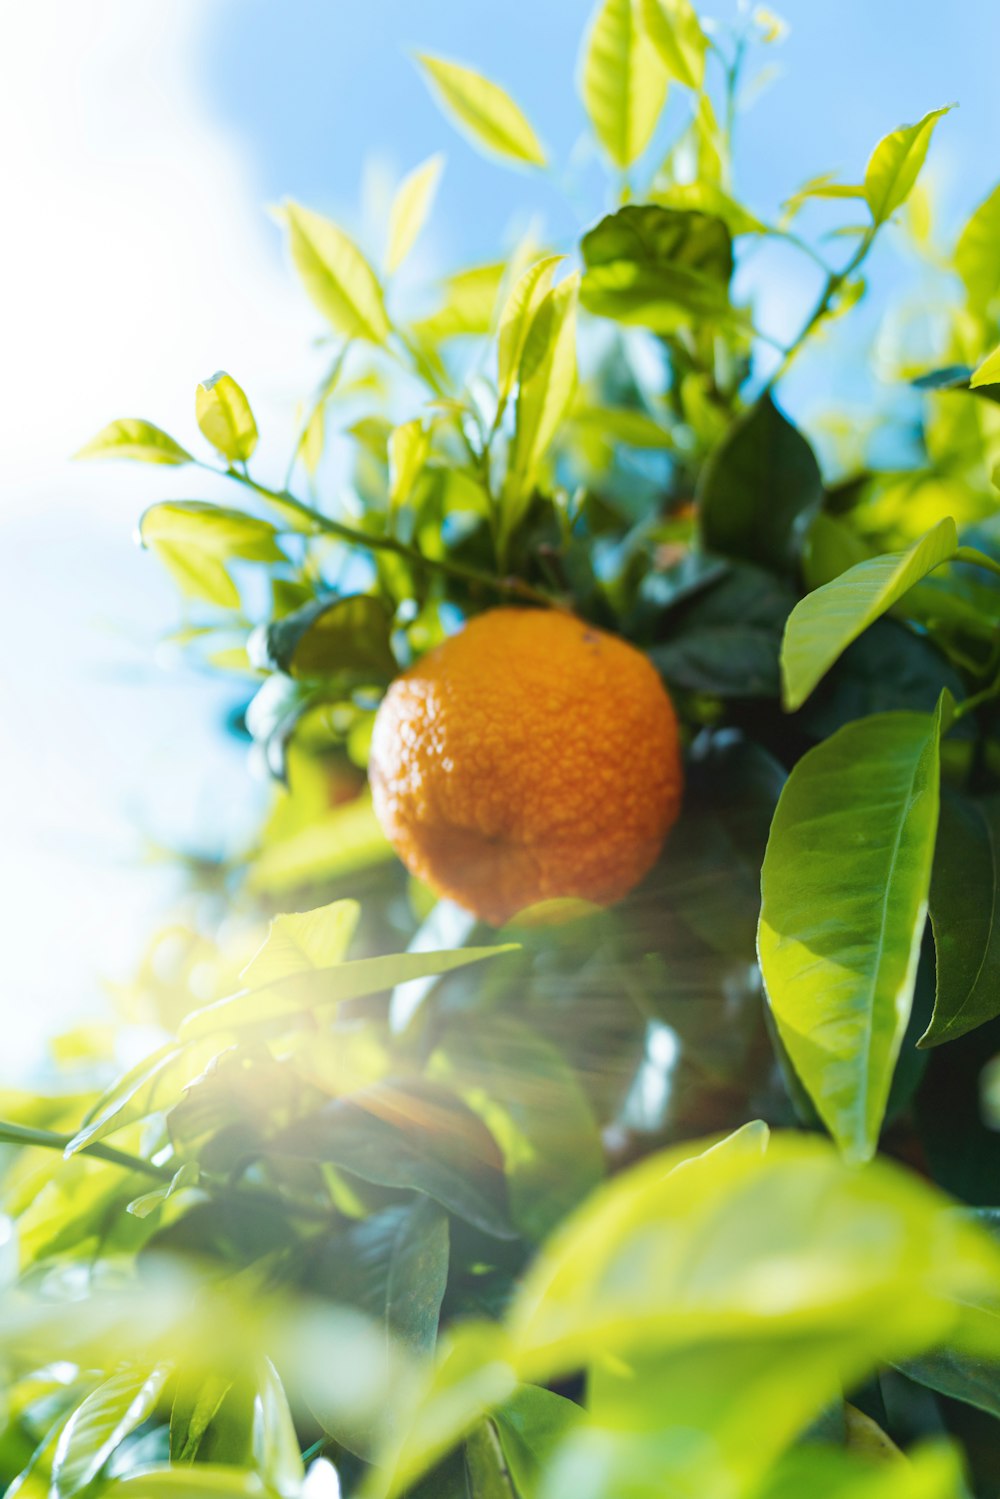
412	1135
965	915
759	489
959	1375
331	636
727	641
657	267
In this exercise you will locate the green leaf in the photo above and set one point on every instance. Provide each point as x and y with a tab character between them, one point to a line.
822	186
965	916
304	992
709	198
977	254
393	1266
656	267
225	417
485	1465
301	942
987	373
275	1442
533	1104
894	165
844	903
409	446
825	622
624	82
469	306
733	1247
547	380
132	438
412	1135
101	1424
727	642
410	208
929	1471
332	635
959	1375
194	539
485	113
202	1481
759	489
336	275
531	1425
516	318
192	1414
675	31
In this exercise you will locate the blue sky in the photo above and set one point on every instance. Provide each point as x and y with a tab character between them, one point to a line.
142	260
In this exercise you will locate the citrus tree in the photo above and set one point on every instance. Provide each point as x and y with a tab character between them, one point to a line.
593	1110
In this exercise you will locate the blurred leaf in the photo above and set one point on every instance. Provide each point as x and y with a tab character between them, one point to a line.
894	165
516	318
822	186
759	489
485	1466
132	438
654	266
203	1481
413	1135
531	1425
192	1414
336	275
225	417
409	446
195	539
275	1442
687	1251
469	305
410	208
332	635
845	887
487	115
346	840
708	198
534	1106
987	373
624	82
675	31
931	1471
301	942
547	379
965	915
100	1424
304	992
977	254
825	622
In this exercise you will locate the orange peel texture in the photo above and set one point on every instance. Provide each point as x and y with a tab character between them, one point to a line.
529	757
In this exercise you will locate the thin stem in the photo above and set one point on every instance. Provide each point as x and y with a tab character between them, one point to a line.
353	536
47	1139
977	559
326	389
834	281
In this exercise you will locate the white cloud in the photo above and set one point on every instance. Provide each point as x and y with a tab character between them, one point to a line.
136	259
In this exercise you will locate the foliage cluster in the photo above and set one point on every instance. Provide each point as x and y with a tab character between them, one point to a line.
401	1206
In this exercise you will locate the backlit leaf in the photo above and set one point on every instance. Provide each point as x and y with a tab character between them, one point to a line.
329	986
894	165
657	267
824	623
546	382
410	208
675	31
409	446
336	275
516	318
987	373
624	82
225	417
977	254
300	942
332	636
132	438
844	903
483	110
100	1424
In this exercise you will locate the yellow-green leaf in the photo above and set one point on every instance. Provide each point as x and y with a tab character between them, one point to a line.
823	624
844	905
408	449
987	373
624	83
894	165
225	418
977	254
300	941
675	31
193	540
336	275
485	112
469	306
410	208
547	377
516	318
130	437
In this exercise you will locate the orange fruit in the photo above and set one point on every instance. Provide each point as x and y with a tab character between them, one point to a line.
530	757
